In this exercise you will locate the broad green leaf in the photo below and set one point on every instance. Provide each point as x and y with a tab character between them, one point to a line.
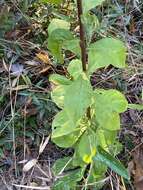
75	68
108	105
78	98
59	79
52	1
61	165
69	180
88	5
105	52
136	106
86	147
113	100
58	94
58	24
64	133
91	24
111	162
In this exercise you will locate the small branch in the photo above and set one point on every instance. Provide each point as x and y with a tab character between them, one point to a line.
82	35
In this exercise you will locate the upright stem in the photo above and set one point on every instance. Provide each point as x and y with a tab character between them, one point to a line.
82	35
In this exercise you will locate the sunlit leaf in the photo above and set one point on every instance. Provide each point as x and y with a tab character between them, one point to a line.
64	132
108	105
78	98
105	52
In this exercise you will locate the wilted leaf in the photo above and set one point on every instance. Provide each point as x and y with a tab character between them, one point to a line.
29	165
44	57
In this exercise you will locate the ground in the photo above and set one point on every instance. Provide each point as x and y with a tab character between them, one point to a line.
26	109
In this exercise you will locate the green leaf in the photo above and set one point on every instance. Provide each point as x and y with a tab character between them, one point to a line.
135	106
78	98
58	94
52	1
75	68
97	174
64	133
105	52
108	105
69	180
55	47
105	138
86	147
73	46
62	164
59	39
58	24
59	79
91	23
88	5
111	162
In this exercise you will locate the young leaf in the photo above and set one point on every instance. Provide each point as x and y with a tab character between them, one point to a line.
88	5
111	162
78	98
105	52
58	24
75	68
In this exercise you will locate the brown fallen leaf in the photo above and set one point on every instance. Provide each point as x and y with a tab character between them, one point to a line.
44	57
137	169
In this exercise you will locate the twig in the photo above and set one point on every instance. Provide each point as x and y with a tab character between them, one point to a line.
82	35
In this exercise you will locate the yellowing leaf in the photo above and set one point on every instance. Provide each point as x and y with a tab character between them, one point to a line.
43	57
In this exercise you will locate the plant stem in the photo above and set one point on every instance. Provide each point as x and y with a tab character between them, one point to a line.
82	35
